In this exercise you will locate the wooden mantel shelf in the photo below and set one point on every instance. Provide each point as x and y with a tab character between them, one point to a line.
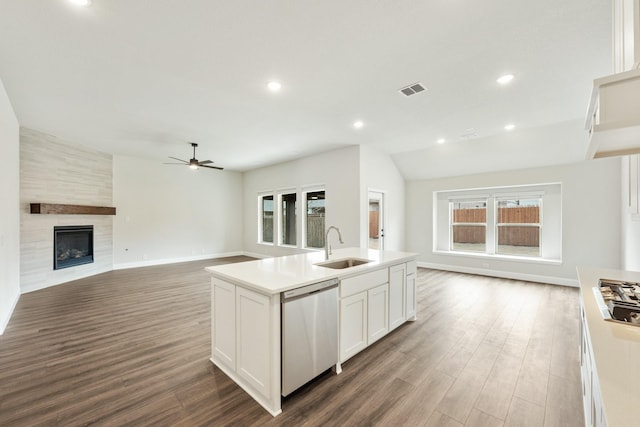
57	209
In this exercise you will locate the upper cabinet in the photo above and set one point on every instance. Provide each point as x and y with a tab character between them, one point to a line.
614	115
613	121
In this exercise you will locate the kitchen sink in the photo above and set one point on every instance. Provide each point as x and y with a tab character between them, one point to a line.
343	263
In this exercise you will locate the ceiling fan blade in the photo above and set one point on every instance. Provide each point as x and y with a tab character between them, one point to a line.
211	167
181	164
175	158
205	162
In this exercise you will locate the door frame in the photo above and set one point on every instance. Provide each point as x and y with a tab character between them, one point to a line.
380	196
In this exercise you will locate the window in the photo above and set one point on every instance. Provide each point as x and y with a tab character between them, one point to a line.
510	222
288	219
518	227
314	219
266	219
469	225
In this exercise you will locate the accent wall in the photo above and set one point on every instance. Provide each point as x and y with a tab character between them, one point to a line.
53	170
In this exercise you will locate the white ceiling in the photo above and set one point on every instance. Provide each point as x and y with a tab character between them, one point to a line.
141	78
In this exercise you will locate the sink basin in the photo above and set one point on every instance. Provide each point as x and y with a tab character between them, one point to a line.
343	263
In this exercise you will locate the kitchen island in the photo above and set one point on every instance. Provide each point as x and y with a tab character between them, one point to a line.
373	299
610	357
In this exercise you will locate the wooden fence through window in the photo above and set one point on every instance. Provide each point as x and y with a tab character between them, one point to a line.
315	230
514	235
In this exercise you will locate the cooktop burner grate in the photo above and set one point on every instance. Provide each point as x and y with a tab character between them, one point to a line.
619	301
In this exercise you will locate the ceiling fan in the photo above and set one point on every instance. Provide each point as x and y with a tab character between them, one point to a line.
193	163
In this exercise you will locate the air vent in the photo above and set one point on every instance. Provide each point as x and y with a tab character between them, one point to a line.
412	89
469	133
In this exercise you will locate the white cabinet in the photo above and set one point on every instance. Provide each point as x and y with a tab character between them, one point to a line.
353	325
613	124
377	313
356	333
411	297
252	339
593	409
410	292
245	340
223	329
374	303
397	282
612	119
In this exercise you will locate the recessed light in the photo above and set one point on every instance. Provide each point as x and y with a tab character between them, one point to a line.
510	126
274	86
80	2
358	124
503	80
441	141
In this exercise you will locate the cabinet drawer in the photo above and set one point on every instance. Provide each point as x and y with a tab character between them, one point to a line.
412	267
357	284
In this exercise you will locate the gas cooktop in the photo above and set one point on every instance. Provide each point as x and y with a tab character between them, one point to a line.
619	301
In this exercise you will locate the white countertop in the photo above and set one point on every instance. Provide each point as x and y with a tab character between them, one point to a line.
279	274
616	349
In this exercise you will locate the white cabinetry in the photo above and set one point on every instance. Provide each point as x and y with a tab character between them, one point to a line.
613	124
593	410
397	282
252	335
223	332
377	313
353	325
410	291
612	119
374	303
245	340
354	310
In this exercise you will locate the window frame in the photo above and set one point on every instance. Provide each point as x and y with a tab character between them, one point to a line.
261	197
550	221
472	224
538	224
281	216
305	191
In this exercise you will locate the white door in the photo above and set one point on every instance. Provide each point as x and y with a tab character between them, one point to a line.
376	220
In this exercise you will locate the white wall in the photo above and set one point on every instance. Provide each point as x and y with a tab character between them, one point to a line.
630	225
551	214
590	218
378	172
56	171
169	213
338	171
541	146
10	218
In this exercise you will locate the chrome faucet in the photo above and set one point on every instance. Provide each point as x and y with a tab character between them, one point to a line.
327	246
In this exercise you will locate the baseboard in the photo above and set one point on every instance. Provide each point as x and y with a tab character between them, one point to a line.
48	284
152	262
502	274
5	320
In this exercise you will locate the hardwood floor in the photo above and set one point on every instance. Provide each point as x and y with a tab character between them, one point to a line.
132	347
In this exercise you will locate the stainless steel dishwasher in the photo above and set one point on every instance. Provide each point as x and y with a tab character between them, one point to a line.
309	333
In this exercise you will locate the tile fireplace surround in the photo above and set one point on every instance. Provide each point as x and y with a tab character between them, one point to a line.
54	171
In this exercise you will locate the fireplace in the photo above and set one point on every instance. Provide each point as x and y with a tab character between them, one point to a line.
72	245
